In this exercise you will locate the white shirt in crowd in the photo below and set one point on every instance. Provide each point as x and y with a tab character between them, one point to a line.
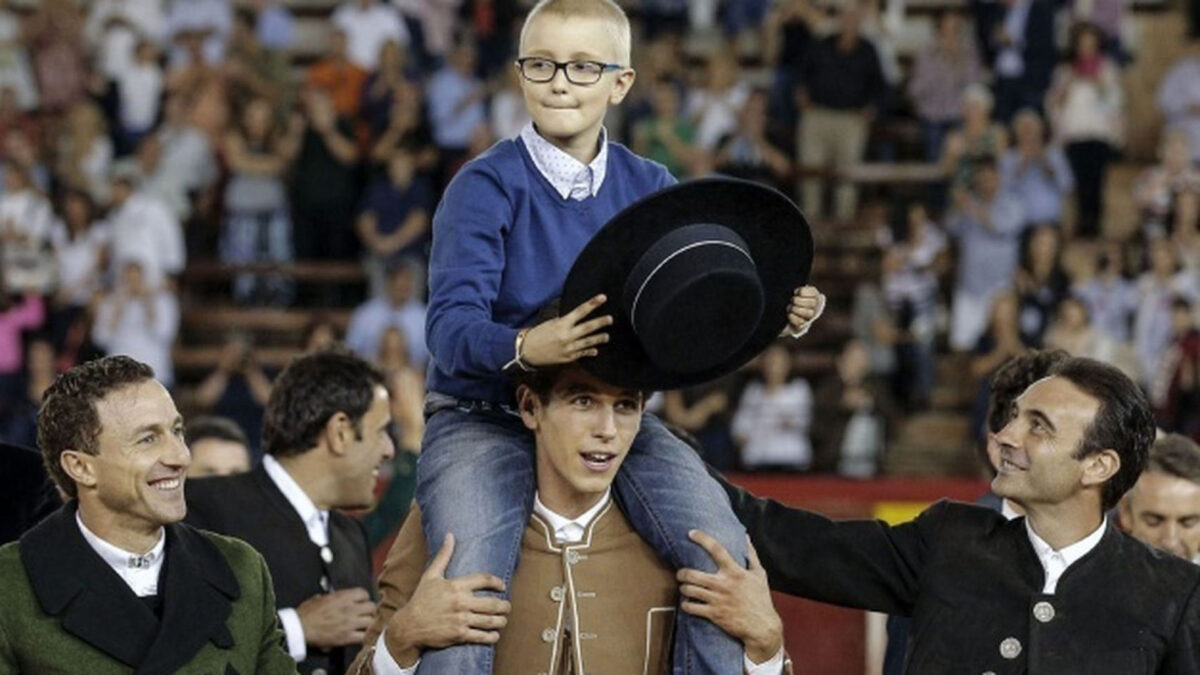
125	326
114	44
773	426
79	259
566	531
146	230
368	29
140	88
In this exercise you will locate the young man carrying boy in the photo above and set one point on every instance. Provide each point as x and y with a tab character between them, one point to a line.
508	229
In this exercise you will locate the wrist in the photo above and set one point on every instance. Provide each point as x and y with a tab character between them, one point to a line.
518	359
400	645
761	647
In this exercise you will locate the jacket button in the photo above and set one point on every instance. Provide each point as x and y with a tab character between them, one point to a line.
1043	611
1010	648
556	594
548	635
572	557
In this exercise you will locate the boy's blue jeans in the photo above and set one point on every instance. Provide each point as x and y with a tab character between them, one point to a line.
475	478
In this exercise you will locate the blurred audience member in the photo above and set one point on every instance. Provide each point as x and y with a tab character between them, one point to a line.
704	412
218	447
842	90
391	76
1159	187
1085	111
910	286
434	23
400	306
1073	332
788	34
18	314
714	107
18	412
455	96
210	20
1108	16
139	91
237	389
85	151
1041	283
320	333
338	77
1175	388
113	29
405	382
324	187
1158	286
1000	342
144	229
1179	96
1036	173
987	223
81	241
139	320
940	76
748	152
882	23
1111	299
405	124
393	219
506	111
368	24
26	221
56	38
1163	507
274	26
258	227
14	61
853	413
666	135
774	416
979	139
1017	39
252	70
13	118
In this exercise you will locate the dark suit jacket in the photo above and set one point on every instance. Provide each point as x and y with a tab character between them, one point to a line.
1038	49
250	507
63	610
971	582
26	493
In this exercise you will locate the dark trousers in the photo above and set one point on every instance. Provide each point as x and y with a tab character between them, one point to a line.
1089	162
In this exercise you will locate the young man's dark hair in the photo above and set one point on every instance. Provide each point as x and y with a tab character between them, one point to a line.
1123	422
1014	377
1175	455
220	428
312	389
68	419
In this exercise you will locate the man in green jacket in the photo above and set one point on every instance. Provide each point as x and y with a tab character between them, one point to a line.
113	582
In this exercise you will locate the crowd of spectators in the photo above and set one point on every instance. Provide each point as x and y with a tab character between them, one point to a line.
137	135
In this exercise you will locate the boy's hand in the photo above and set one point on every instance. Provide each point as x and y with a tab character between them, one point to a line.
807	306
567	338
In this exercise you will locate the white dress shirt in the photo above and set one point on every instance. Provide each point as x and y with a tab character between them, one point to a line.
140	572
566	531
317	524
570	178
1057	562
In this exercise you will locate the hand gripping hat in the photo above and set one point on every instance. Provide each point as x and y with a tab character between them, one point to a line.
698	277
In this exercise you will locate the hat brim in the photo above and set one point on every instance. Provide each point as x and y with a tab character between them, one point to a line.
780	243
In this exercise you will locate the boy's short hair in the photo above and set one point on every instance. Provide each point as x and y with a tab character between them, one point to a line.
607	10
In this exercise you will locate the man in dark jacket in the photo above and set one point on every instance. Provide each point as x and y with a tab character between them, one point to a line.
1059	591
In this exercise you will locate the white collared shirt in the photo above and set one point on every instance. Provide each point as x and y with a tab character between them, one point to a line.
570	178
316	522
566	531
1057	562
140	572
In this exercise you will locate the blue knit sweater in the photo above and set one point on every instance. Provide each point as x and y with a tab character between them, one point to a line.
503	242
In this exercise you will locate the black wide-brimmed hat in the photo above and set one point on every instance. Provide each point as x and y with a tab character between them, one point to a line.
698	277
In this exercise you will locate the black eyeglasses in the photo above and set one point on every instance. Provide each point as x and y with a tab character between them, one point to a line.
536	69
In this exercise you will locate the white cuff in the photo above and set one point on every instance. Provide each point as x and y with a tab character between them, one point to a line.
383	663
294	630
802	331
772	666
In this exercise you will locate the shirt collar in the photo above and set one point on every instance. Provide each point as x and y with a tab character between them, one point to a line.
570	178
314	519
139	572
1070	554
569	530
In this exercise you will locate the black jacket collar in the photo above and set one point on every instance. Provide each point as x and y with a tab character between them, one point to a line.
72	582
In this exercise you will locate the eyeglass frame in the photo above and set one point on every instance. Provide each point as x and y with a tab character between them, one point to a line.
562	65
